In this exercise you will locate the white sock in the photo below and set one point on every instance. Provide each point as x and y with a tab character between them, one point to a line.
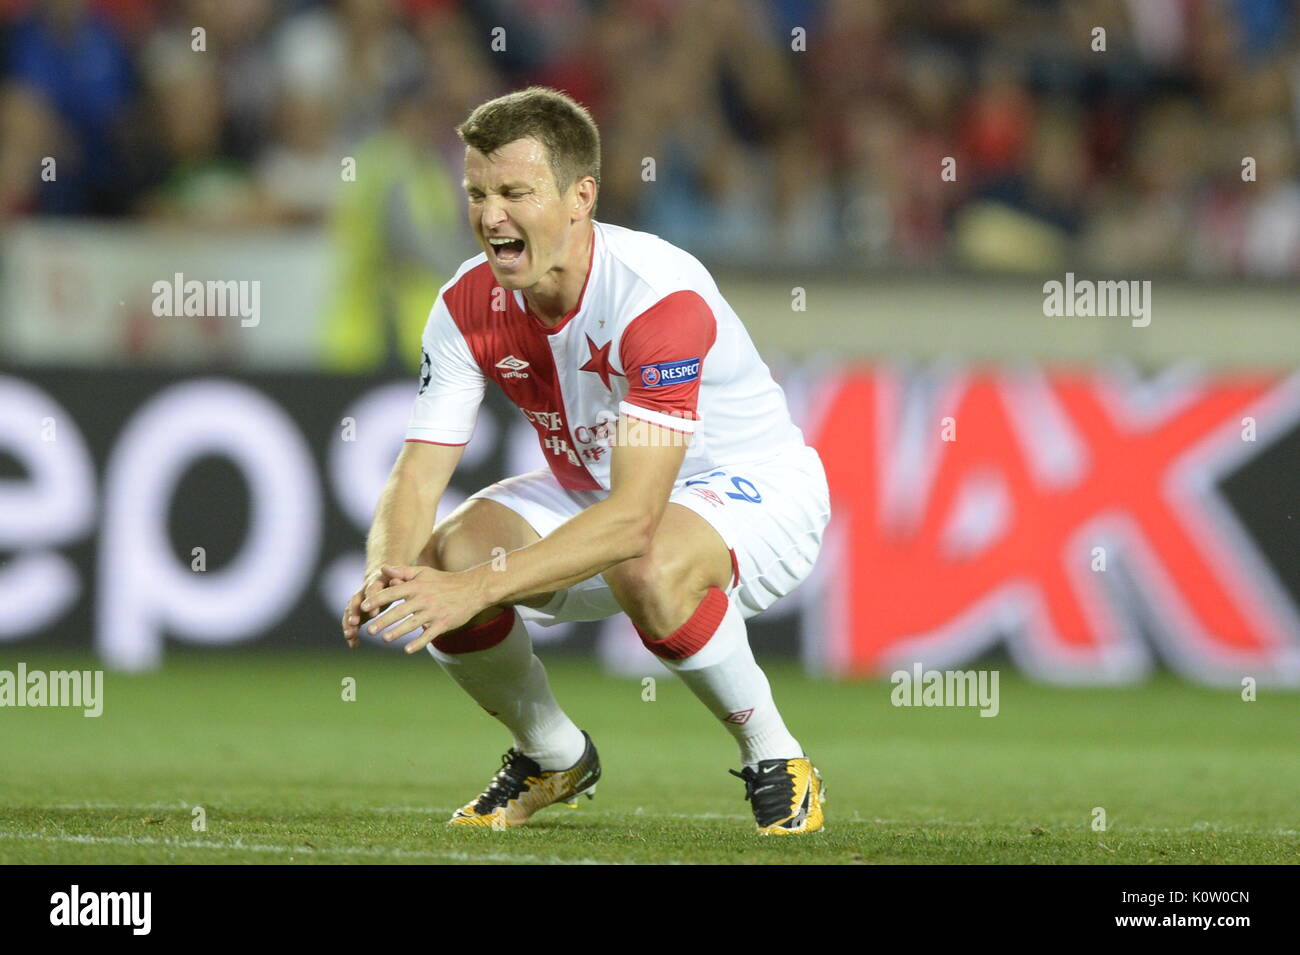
507	680
722	672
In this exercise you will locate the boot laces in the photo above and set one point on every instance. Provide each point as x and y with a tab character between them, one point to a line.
770	790
510	781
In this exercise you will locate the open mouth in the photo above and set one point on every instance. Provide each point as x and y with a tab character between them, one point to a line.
506	250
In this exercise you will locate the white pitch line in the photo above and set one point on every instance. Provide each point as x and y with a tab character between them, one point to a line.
1201	827
240	846
415	810
581	810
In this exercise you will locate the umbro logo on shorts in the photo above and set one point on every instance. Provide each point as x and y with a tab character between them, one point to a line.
513	367
709	496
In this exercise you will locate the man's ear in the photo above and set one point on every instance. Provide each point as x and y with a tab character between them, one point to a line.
584	197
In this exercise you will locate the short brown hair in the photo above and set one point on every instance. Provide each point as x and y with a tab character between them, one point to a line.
555	120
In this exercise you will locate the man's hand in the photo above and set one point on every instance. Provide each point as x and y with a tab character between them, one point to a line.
354	616
435	600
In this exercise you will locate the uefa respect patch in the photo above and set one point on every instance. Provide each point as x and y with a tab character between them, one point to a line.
664	373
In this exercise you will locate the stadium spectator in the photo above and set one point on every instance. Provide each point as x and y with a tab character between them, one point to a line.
828	149
69	82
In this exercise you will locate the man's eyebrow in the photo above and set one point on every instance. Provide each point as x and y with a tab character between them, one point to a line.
507	186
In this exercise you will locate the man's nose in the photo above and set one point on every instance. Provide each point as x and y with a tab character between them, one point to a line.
493	215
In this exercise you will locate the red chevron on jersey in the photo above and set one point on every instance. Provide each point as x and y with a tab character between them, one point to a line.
516	333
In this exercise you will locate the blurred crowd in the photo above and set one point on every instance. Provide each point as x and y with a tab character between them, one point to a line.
781	131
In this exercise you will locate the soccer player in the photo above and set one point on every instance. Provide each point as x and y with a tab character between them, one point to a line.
679	490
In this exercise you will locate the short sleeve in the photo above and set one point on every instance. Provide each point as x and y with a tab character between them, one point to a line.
451	383
663	351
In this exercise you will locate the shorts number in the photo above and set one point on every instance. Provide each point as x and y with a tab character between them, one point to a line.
752	495
704	480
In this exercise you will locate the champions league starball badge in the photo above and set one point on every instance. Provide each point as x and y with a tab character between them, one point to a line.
426	371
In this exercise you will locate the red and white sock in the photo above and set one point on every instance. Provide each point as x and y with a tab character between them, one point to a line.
710	652
494	663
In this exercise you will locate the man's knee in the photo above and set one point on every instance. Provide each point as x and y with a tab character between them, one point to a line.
453	546
477	532
663	588
659	590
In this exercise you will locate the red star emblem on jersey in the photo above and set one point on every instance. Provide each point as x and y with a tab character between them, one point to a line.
598	361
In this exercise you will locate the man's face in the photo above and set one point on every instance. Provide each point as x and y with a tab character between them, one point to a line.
513	195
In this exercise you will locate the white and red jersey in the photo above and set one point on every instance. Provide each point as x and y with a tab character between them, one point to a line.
651	338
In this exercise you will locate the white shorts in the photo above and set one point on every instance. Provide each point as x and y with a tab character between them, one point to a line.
771	516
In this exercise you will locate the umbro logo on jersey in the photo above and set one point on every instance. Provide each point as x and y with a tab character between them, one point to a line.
513	367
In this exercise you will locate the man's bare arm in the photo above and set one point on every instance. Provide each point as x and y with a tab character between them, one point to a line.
609	532
613	530
408	505
403	520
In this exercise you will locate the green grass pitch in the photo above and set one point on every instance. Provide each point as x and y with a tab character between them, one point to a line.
286	771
